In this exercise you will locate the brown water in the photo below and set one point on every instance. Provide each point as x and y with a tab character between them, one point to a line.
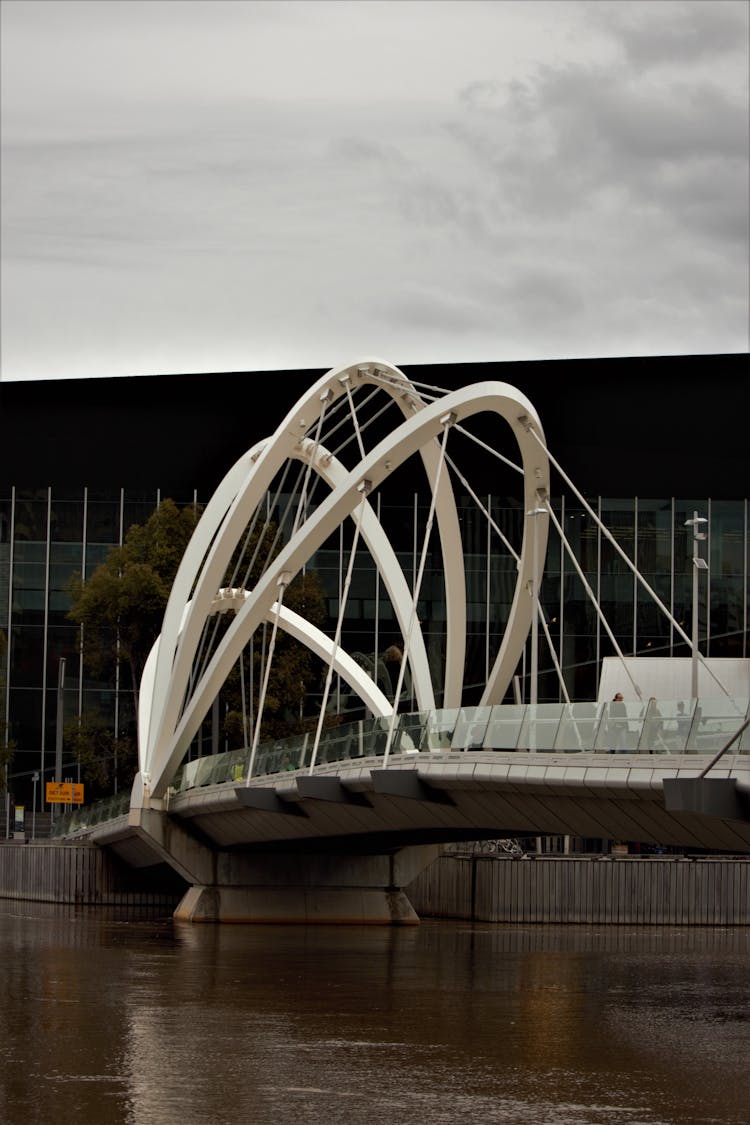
108	1020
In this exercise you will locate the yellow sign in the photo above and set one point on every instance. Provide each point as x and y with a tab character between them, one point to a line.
64	793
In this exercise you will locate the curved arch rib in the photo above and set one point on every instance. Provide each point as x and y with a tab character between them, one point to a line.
223	522
406	440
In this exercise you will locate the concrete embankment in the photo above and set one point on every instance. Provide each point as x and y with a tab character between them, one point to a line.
49	871
668	891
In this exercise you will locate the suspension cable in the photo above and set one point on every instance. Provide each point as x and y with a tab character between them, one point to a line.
487	515
553	654
608	535
244	702
283	582
591	594
364	489
347	387
447	421
344	418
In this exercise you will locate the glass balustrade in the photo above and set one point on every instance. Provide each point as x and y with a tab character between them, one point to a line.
620	728
714	723
504	727
653	727
578	727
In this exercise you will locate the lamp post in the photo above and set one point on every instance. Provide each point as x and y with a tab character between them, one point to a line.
34	779
698	564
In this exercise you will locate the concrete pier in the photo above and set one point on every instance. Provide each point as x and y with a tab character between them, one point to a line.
332	889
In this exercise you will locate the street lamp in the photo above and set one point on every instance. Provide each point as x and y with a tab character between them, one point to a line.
34	779
698	564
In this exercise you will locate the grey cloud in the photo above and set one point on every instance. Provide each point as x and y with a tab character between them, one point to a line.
434	311
357	150
572	139
687	31
545	295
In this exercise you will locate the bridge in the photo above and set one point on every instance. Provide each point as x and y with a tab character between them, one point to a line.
330	825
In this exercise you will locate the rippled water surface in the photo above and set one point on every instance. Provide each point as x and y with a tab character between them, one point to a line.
105	1019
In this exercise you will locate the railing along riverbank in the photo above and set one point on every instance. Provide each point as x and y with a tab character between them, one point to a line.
80	874
586	890
533	890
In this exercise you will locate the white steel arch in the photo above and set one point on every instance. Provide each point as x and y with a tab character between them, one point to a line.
165	732
223	522
296	626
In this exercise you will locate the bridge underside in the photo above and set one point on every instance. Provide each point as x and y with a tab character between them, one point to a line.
341	844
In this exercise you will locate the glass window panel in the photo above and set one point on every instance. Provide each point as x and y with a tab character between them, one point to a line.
30	552
31	518
619	517
95	555
26	652
24	722
103	521
727	541
28	607
29	576
62	641
5	520
66	521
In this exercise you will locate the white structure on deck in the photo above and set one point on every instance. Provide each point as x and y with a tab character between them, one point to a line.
173	701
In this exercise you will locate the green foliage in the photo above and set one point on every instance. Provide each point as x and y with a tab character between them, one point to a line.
103	757
294	672
121	608
122	604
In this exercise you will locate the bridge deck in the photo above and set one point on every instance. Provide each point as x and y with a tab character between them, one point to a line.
559	769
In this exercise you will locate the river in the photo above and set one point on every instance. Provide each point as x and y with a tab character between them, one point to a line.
146	1022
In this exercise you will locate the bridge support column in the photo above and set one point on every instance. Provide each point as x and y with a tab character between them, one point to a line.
323	889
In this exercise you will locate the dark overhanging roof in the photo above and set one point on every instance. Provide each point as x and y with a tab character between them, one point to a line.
645	426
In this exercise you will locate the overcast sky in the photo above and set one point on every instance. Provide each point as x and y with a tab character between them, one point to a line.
204	186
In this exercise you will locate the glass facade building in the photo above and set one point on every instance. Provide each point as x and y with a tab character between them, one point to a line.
632	433
48	535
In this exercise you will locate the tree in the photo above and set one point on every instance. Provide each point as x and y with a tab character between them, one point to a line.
122	604
108	760
293	673
121	607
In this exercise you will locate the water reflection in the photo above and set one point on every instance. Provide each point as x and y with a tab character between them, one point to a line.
107	1018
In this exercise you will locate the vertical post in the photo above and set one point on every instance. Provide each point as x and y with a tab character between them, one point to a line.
215	726
60	718
694	630
698	564
6	709
34	779
59	721
45	642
